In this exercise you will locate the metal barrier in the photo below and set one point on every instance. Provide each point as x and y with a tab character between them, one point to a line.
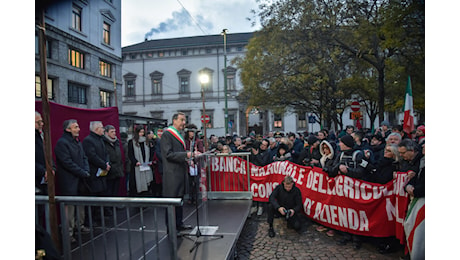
228	184
145	206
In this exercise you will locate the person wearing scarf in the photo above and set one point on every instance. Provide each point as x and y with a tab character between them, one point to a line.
112	147
139	154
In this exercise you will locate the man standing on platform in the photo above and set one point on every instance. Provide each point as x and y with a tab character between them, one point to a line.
175	166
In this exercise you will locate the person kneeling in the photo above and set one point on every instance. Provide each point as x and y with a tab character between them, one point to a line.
286	201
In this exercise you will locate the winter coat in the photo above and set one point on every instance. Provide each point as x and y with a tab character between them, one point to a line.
94	148
378	151
384	171
327	161
357	165
307	155
292	199
418	181
116	164
40	164
175	166
72	164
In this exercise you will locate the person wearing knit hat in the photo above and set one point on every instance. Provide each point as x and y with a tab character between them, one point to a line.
351	163
420	134
385	128
348	141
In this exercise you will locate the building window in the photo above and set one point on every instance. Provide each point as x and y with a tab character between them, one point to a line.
130	84
130	88
106	33
76	58
209	72
302	121
77	93
231	72
231	82
48	47
184	81
105	69
184	84
184	52
157	82
106	98
38	88
76	18
278	121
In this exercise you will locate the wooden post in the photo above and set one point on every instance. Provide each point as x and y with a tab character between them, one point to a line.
47	130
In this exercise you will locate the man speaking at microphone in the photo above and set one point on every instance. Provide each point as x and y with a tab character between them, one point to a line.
175	166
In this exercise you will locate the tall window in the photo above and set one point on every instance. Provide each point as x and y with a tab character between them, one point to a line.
106	98
76	58
38	88
48	47
208	86
157	82
105	69
231	82
106	33
76	18
77	93
184	84
231	72
302	120
278	121
130	88
184	81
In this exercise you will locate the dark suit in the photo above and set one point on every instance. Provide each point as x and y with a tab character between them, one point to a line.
72	164
94	148
174	170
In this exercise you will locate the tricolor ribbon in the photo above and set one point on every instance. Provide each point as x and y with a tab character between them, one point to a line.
176	134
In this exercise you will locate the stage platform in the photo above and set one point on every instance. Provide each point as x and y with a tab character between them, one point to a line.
228	215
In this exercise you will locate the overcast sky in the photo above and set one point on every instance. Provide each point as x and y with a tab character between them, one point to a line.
159	19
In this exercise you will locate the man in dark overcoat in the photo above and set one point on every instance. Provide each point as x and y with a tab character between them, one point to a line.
72	167
98	159
175	166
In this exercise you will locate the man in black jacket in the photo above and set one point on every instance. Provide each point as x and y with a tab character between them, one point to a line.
99	163
72	167
352	163
98	158
286	201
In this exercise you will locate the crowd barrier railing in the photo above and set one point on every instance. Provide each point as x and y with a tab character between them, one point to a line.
125	203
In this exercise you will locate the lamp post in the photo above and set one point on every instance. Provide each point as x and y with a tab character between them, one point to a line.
204	79
224	33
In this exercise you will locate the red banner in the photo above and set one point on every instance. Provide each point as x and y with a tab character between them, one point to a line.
341	203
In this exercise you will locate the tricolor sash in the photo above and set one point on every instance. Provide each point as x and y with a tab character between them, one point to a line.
176	134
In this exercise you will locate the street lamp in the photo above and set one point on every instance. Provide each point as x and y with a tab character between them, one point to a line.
204	79
224	33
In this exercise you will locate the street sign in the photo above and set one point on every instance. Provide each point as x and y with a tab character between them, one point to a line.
206	119
311	119
355	106
356	115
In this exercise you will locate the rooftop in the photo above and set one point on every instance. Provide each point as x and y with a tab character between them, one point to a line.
208	40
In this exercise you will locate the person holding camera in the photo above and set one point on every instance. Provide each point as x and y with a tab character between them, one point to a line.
285	201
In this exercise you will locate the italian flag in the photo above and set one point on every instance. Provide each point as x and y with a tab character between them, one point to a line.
408	125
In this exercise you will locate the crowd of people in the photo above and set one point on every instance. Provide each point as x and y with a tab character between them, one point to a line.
96	164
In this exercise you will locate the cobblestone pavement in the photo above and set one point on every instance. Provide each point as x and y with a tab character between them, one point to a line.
254	243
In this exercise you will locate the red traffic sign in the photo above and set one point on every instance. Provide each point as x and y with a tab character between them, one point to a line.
355	106
206	119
